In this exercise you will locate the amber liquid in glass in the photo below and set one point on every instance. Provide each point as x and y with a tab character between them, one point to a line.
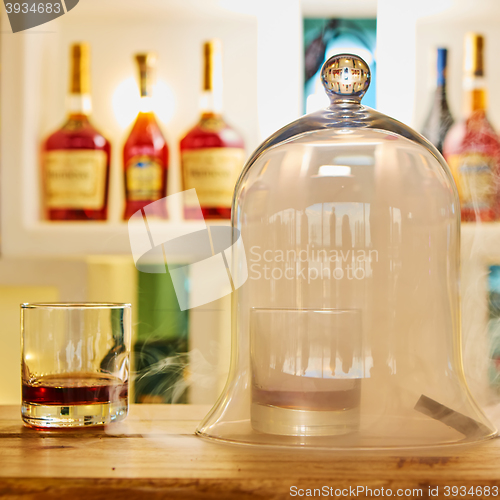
79	134
317	407
74	389
472	147
145	154
76	157
337	400
212	152
210	134
146	151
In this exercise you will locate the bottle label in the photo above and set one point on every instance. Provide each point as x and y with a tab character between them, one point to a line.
75	179
144	178
213	172
475	179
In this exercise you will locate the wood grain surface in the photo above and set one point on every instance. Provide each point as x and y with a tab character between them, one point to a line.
154	454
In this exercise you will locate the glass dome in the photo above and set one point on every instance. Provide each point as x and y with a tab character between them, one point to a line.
346	332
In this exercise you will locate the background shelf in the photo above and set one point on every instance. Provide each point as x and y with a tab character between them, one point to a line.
34	79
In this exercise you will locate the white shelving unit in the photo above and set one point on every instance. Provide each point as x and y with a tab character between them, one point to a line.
261	42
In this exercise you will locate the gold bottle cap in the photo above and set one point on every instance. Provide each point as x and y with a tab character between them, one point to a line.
146	62
474	55
80	68
212	64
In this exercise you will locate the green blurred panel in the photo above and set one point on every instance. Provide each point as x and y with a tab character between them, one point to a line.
159	314
160	351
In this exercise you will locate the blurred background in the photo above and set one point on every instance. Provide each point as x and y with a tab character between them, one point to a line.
272	53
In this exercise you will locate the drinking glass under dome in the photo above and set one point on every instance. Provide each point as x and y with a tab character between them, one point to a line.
346	333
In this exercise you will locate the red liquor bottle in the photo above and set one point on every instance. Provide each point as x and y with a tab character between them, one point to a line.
472	148
76	157
145	154
212	153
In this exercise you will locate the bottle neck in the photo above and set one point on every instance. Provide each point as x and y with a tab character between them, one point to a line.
440	96
79	105
146	105
146	63
474	82
442	61
475	95
210	103
211	96
442	58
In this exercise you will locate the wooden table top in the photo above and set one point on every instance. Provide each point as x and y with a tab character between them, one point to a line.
154	454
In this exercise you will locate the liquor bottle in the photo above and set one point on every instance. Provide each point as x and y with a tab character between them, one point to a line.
76	157
145	154
472	148
439	119
212	153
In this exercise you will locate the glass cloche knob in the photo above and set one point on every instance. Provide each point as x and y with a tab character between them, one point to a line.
346	77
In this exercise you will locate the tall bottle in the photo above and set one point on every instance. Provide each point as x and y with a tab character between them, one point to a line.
472	148
76	157
212	153
145	154
439	119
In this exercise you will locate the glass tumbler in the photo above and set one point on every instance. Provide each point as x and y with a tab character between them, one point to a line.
307	368
75	363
